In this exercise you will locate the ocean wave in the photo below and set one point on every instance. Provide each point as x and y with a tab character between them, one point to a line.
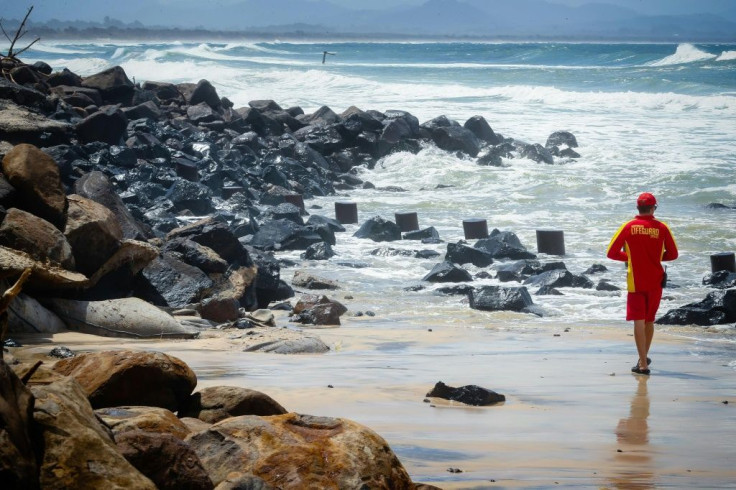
258	47
54	49
727	56
685	53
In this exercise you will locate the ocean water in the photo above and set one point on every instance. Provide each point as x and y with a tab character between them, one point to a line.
648	117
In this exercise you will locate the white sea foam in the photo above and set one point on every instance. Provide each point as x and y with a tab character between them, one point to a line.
55	49
685	53
119	52
727	56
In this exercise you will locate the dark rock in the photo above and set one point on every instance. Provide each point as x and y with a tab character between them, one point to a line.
62	352
322	116
447	272
497	298
309	281
204	92
191	196
167	281
77	96
283	234
504	245
560	138
461	290
202	113
569	153
717	308
42	67
522	269
163	90
107	125
427	233
93	233
169	462
595	269
216	236
450	136
482	130
460	253
21	95
469	394
426	254
604	285
558	279
64	77
379	230
318	251
113	84
197	255
548	291
220	309
146	110
535	152
720	279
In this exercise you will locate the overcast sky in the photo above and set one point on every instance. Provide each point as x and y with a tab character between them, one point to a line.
66	8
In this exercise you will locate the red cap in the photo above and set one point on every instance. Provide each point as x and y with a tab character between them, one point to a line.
646	199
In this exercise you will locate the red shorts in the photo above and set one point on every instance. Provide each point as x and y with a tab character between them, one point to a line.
643	305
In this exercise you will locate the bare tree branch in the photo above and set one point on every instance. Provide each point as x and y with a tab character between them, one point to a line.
6	34
19	33
34	42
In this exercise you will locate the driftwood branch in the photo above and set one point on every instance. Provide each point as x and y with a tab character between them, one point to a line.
5	300
18	35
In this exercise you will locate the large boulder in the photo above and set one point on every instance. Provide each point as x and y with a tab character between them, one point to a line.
197	255
37	237
35	175
192	196
217	236
504	245
379	230
717	308
18	466
168	461
460	253
95	186
302	345
108	125
303	279
498	298
116	378
447	272
206	93
216	403
93	233
295	451
482	130
121	317
561	138
720	279
284	234
167	281
78	451
113	84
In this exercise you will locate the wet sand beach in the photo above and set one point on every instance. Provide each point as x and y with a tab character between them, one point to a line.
574	415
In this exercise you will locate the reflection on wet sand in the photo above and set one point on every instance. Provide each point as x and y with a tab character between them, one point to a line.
633	461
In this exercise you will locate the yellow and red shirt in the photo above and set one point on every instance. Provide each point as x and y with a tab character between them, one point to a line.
644	243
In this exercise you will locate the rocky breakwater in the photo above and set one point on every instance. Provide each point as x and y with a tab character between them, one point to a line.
125	419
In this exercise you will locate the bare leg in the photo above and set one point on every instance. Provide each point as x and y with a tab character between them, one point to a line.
640	336
649	330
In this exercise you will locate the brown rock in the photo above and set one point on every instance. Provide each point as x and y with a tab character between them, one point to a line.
169	462
37	237
217	403
113	84
93	233
305	280
78	451
295	451
219	309
318	310
35	175
18	467
239	481
118	378
147	419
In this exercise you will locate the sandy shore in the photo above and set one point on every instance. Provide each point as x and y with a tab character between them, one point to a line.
574	416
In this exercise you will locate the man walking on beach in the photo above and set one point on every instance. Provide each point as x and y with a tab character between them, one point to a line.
644	243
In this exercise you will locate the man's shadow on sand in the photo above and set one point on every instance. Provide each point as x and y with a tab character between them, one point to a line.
632	463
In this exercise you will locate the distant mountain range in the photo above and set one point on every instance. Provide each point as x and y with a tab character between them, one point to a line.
528	19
